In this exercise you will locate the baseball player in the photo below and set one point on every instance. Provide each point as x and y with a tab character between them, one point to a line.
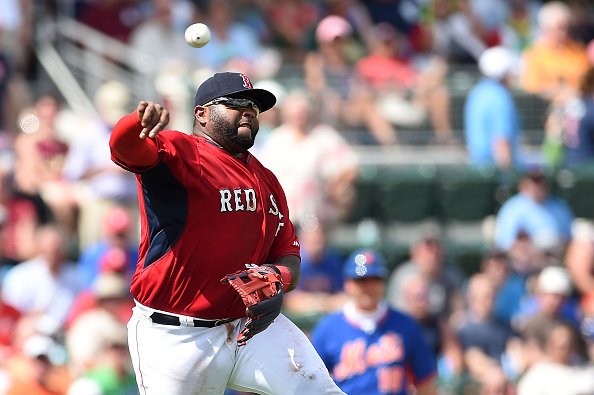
217	252
368	347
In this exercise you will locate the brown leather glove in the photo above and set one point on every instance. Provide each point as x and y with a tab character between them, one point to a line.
260	288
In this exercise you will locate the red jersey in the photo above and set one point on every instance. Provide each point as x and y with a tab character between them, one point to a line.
204	214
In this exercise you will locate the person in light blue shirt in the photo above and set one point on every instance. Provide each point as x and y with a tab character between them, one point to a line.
232	43
491	118
545	218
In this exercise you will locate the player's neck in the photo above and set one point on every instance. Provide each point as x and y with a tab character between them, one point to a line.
242	156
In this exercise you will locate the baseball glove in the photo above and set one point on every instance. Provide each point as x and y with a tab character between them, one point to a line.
260	288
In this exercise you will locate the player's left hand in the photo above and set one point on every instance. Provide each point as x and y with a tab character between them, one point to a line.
260	288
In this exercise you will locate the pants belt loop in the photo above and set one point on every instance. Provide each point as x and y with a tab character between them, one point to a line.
186	321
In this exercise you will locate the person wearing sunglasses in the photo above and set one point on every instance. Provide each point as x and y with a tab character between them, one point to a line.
209	208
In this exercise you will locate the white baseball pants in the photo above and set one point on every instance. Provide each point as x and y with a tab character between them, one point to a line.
181	360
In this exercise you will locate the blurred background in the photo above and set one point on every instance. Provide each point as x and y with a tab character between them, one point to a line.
456	137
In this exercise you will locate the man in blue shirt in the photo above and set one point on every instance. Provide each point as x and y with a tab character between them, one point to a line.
491	118
545	218
368	347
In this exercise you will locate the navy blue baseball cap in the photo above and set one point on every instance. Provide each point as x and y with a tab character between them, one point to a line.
365	263
228	84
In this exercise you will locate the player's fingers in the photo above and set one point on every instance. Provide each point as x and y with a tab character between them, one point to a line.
145	121
150	115
150	119
163	121
142	105
140	112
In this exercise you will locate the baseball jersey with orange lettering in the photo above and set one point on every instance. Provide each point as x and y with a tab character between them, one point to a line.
385	361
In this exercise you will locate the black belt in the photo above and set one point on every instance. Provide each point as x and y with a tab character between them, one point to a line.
166	319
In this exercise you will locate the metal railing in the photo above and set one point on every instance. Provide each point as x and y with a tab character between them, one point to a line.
80	59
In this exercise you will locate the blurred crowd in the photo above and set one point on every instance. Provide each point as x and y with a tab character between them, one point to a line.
346	73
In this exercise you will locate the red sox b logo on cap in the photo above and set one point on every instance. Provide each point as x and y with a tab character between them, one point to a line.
246	81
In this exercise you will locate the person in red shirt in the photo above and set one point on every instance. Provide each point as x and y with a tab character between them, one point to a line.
208	208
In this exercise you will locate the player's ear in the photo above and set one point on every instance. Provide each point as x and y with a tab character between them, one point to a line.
200	115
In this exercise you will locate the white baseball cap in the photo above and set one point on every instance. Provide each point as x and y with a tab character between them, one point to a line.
555	280
38	345
498	62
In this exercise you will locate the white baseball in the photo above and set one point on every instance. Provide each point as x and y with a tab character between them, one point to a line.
197	35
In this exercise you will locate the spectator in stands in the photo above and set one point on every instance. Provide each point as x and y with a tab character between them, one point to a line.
112	371
315	165
569	139
405	96
115	18
40	153
16	31
427	258
559	370
45	286
587	320
20	217
509	285
581	26
5	80
232	45
550	301
521	24
329	76
526	257
159	35
579	257
403	15
34	370
320	282
435	327
495	382
368	347
554	62
291	23
116	244
485	341
546	219
95	181
354	12
110	291
9	318
270	119
100	327
455	32
491	117
487	19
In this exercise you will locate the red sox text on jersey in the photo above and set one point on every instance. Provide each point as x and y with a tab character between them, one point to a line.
245	200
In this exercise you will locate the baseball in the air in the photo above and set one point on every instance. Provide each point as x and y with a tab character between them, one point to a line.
197	35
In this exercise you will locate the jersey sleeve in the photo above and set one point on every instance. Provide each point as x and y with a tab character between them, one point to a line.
139	155
129	151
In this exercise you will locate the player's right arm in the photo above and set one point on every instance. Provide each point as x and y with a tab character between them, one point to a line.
128	141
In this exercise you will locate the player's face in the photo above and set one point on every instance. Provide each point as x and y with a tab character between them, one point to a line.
366	293
239	125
